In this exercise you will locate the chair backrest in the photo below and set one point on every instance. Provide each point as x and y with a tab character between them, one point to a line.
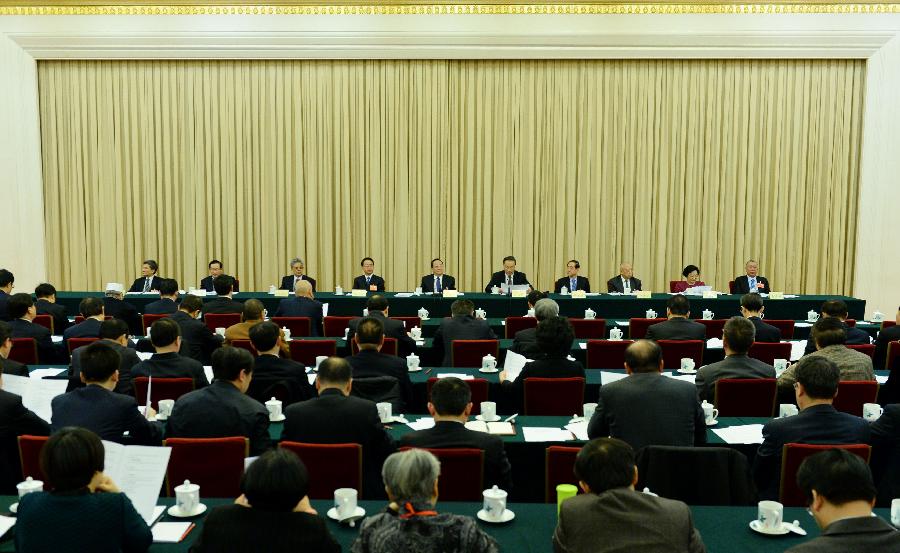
149	318
468	353
745	397
794	454
462	473
674	350
850	322
221	320
333	466
515	324
478	386
245	344
768	352
215	464
637	327
45	321
714	327
784	325
24	350
887	324
163	388
868	349
80	318
852	394
299	326
732	289
334	326
379	389
589	329
717	475
607	354
409	322
388	348
559	465
75	343
892	359
553	396
306	351
672	284
30	456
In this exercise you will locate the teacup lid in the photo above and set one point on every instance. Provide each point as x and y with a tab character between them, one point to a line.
30	482
494	493
187	487
273	401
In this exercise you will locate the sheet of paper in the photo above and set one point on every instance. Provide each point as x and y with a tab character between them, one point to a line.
324	310
538	434
36	393
513	365
144	355
138	471
421	424
579	429
6	523
501	428
56	338
158	511
170	532
456	375
623	323
715	343
207	370
404	294
791	296
41	373
799	324
608	377
797	349
741	434
477	426
311	377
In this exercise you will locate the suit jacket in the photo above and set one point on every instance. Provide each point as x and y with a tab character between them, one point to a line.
818	424
370	363
197	340
208	284
851	535
525	343
677	328
124	311
303	307
55	310
237	528
619	520
287	282
359	283
461	327
764	331
129	359
138	284
499	278
162	306
854	365
615	284
542	367
855	336
104	413
13	367
88	328
649	409
15	420
742	285
47	352
4	314
269	371
886	336
452	434
392	329
447	283
171	365
222	305
581	282
221	410
885	440
733	366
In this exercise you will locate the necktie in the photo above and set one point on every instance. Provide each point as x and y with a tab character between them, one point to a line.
573	283
437	285
752	282
508	280
626	285
147	284
368	280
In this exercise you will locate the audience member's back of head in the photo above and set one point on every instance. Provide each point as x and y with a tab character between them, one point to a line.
369	331
829	331
752	302
605	464
334	371
223	285
91	307
5	334
164	332
70	458
819	376
228	362
98	362
253	310
450	396
168	287
535	296
545	308
113	329
264	336
6	278
410	475
462	307
679	305
643	356
554	336
838	475
377	302
276	481
18	304
740	334
191	303
835	308
44	290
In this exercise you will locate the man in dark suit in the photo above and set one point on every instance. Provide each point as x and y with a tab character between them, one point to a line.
679	326
462	325
113	333
223	304
6	285
15	421
21	309
624	282
197	340
751	281
215	271
837	309
303	304
437	281
336	417
46	305
371	363
168	299
165	334
885	337
611	516
223	408
378	309
298	268
98	408
92	311
525	340
817	423
451	405
572	281
8	366
752	308
885	441
272	372
368	281
737	337
509	276
648	408
115	306
149	280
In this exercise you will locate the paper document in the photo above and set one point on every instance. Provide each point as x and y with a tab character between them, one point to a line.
623	323
138	471
6	523
579	429
158	512
802	325
741	434
41	373
715	343
881	379
537	434
608	377
797	349
403	294
421	424
207	370
144	355
324	310
311	377
513	365
456	375
498	428
36	393
56	339
171	532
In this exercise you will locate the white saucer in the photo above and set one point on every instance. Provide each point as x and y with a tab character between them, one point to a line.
481	418
332	513
757	527
14	508
507	516
488	370
279	418
713	422
417	369
176	512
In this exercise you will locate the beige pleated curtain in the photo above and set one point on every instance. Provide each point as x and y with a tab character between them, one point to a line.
660	163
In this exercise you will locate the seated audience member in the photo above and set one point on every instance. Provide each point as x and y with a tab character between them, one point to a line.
168	299
840	494
437	281
8	366
46	305
21	309
450	405
554	337
752	308
15	421
149	281
817	423
624	282
750	282
272	372
829	336
7	281
371	363
86	511
462	325
254	313
737	337
223	409
885	440
335	417
215	271
691	275
303	304
92	311
612	516
885	337
572	281
166	362
113	333
273	512
378	308
837	309
647	408
509	276
114	305
525	342
679	326
298	273
98	408
411	522
197	340
368	281
223	303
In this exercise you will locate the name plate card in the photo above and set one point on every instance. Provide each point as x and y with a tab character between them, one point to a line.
519	294
450	293
281	293
579	294
776	295
643	294
710	294
357	293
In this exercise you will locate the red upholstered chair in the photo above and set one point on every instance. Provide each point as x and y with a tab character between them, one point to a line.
299	326
607	354
731	287
468	353
892	359
334	326
745	397
24	350
30	456
559	465
245	344
674	350
794	454
333	466
147	319
45	321
637	328
515	324
221	320
409	322
714	327
768	352
852	394
868	349
462	473
887	324
553	396
75	343
162	388
389	347
306	351
80	318
672	284
215	464
850	322
589	329
785	326
479	388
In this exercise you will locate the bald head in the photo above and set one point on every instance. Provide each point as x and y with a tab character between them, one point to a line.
303	289
644	356
626	270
